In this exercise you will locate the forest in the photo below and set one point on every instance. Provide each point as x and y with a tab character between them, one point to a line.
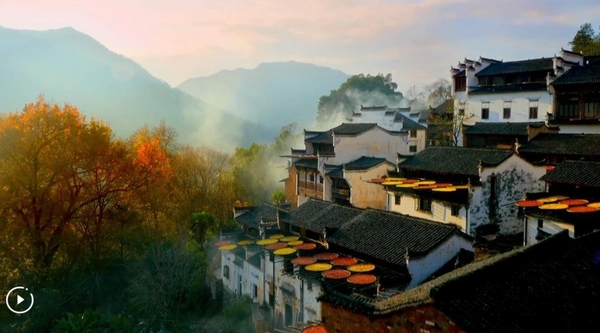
108	233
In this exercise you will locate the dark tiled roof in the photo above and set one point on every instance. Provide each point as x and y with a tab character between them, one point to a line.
443	108
364	163
387	236
579	75
374	108
575	172
553	286
501	128
307	163
522	66
319	137
508	88
352	128
335	172
454	160
564	144
315	215
252	215
407	123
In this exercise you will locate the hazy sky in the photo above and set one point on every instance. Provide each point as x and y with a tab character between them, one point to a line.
416	41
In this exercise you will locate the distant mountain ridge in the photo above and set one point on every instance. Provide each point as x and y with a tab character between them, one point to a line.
276	93
68	66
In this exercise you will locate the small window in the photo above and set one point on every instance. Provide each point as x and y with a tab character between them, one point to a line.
485	110
254	291
309	285
413	133
412	149
320	179
425	204
454	209
226	272
485	113
288	267
311	177
540	224
533	109
506	113
397	198
533	112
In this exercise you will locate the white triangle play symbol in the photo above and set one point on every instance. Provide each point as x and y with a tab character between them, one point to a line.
19	299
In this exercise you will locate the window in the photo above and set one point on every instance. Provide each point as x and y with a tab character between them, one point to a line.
540	224
454	209
533	112
591	110
311	177
485	110
397	198
412	149
568	110
320	179
533	109
226	272
288	267
460	83
424	204
506	113
485	113
254	291
413	133
309	285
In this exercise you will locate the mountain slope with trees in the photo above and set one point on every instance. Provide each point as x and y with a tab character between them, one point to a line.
275	93
68	66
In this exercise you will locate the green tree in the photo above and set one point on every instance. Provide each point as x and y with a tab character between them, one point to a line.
201	224
358	90
586	41
278	197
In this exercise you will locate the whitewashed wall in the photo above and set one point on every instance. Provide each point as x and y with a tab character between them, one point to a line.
520	103
440	211
363	193
549	226
422	268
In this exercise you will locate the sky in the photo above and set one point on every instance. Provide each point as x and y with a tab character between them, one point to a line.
415	41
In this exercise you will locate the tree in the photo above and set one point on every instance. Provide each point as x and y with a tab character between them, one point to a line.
447	128
586	41
288	136
358	90
278	197
201	224
438	92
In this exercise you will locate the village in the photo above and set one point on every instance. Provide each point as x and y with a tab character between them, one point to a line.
385	229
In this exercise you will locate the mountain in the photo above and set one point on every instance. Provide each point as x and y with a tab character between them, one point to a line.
276	93
68	66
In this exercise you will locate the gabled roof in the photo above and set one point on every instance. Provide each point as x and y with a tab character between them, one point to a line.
455	160
575	172
364	163
521	66
563	144
407	123
579	75
319	137
352	128
388	236
307	163
252	215
314	215
512	129
443	108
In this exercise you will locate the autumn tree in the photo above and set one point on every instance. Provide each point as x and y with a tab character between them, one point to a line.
356	91
446	128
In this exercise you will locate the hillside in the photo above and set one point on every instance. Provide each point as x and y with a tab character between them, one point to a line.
275	93
68	66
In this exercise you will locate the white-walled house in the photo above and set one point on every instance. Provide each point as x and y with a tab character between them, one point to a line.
484	185
558	90
358	150
573	180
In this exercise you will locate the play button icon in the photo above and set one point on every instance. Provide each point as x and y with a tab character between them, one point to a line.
19	309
